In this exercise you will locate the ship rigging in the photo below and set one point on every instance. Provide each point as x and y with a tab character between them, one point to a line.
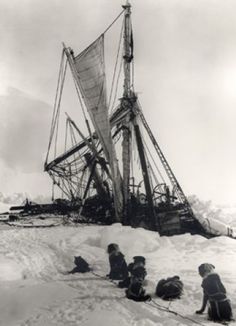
96	172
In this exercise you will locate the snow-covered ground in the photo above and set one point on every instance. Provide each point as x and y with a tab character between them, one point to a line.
35	290
4	207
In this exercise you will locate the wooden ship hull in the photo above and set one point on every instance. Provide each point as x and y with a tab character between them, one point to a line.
96	171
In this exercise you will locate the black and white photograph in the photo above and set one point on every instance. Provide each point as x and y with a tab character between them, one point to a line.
117	162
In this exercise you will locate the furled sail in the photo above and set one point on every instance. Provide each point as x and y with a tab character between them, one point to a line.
89	66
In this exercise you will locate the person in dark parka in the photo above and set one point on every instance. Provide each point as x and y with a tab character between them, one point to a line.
214	293
118	266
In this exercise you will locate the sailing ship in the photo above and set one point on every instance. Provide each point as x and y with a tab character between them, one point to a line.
114	169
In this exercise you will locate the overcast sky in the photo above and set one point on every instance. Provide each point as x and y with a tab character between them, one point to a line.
185	74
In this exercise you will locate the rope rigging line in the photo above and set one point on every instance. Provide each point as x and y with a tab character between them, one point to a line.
107	29
75	158
151	173
77	83
149	152
132	83
179	192
67	125
158	170
56	126
132	155
116	89
115	68
102	90
149	166
55	103
53	183
64	188
56	100
132	62
76	80
57	92
79	96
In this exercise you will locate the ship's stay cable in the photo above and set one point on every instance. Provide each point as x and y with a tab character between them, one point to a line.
132	62
149	152
102	34
150	166
75	81
116	64
166	166
75	158
55	103
79	97
132	84
56	98
60	84
67	123
116	89
53	183
131	159
102	91
66	163
73	140
59	107
107	29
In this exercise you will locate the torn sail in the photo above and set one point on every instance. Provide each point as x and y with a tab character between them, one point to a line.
90	68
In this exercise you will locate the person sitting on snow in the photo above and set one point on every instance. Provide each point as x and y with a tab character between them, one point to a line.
138	272
118	266
137	268
214	292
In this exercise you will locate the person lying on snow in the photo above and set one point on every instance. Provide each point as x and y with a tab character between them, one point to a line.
170	288
214	293
118	266
138	272
137	268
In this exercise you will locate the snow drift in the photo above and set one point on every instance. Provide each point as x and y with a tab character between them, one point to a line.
36	290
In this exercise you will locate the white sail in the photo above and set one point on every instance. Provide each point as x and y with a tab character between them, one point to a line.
90	68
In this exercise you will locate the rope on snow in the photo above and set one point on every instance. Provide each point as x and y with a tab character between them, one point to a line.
154	304
167	309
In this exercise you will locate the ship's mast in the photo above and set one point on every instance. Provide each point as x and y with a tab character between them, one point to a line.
129	99
127	50
127	57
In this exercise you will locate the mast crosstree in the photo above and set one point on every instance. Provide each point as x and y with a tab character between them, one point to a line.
89	172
